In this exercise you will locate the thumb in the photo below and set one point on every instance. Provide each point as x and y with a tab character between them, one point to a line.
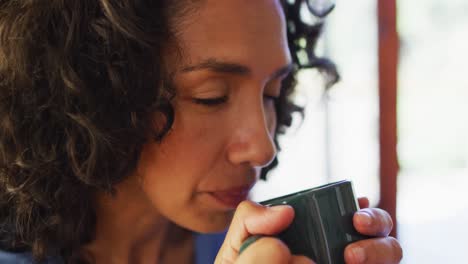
252	219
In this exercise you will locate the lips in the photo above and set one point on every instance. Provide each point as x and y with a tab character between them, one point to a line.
232	197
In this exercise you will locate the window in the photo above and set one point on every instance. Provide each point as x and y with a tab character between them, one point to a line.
339	137
433	130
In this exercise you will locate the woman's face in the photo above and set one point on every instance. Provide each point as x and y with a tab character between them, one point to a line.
234	57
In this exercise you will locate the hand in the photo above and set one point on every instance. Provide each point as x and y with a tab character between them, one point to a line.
254	219
382	249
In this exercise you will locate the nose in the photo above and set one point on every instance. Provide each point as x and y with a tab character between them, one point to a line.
252	140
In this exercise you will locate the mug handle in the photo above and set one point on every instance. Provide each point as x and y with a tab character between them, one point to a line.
249	241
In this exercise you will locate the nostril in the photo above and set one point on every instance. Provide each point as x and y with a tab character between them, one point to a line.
265	153
258	151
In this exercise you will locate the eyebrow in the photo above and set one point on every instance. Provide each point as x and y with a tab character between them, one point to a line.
233	68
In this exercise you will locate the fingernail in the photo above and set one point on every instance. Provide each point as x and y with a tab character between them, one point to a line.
358	254
365	218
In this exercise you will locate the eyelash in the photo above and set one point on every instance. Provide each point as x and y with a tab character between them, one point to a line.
211	101
275	99
221	100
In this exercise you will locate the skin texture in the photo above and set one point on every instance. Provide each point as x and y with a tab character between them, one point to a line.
223	145
226	79
210	147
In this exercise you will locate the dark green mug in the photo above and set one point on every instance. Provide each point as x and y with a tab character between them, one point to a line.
323	224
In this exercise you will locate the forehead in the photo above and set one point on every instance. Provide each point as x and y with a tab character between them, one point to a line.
248	32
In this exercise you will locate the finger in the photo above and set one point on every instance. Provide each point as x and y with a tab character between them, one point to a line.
252	219
376	251
266	250
363	202
373	222
271	250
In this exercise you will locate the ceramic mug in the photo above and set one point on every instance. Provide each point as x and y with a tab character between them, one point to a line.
322	226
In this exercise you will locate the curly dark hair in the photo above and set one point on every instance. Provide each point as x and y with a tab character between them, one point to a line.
79	83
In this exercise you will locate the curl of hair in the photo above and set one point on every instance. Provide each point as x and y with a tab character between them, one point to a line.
299	32
80	81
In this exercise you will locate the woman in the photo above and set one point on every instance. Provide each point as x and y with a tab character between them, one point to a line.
126	125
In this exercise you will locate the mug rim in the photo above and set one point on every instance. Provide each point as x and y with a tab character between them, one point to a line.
289	197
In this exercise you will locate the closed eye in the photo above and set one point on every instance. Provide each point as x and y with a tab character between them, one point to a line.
210	101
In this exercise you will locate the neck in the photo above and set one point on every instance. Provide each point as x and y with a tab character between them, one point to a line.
130	230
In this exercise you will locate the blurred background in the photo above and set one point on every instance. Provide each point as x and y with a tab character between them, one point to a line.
340	138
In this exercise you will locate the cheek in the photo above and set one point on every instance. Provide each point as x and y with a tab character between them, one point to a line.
165	183
176	159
